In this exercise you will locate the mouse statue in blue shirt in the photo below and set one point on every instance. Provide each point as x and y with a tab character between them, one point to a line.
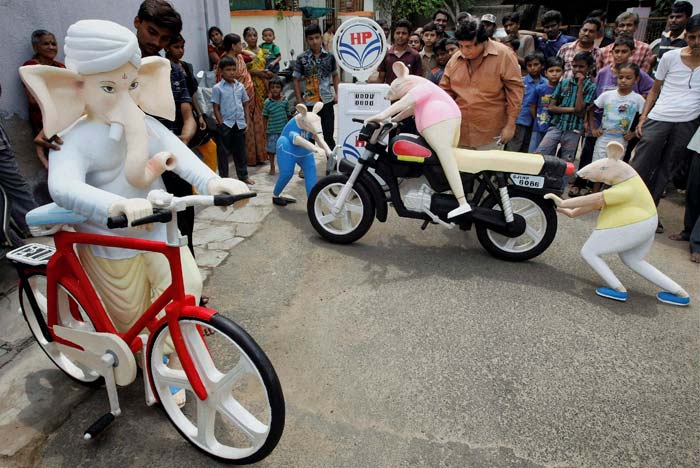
299	140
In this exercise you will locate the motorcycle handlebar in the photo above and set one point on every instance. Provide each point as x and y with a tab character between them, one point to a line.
383	124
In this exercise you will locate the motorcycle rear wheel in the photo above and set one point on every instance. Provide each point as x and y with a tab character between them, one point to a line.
357	214
541	227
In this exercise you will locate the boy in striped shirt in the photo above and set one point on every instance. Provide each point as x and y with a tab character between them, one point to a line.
275	116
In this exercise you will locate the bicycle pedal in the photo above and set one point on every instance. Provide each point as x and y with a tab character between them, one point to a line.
99	426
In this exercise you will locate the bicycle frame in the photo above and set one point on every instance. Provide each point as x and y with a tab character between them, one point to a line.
65	268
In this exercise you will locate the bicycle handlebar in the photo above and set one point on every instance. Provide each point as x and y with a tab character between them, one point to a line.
226	200
161	215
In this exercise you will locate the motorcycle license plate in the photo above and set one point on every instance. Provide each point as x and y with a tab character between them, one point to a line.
528	181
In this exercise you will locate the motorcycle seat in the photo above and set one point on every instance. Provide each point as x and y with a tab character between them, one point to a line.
475	161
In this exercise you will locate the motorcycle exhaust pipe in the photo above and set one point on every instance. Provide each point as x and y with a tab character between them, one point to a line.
493	220
489	218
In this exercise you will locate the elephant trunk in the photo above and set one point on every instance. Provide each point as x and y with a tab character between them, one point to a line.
139	169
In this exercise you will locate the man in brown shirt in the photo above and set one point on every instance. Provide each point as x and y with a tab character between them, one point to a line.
428	55
484	78
399	51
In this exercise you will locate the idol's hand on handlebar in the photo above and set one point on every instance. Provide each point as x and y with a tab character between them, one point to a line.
133	209
375	118
219	186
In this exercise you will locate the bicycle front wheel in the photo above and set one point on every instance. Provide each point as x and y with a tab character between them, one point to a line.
242	419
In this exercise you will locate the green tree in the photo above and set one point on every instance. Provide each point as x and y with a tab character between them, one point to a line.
663	7
404	8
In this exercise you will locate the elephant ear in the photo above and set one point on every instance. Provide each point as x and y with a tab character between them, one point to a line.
155	91
59	93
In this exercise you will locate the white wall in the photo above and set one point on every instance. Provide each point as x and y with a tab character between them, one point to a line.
19	18
289	32
696	6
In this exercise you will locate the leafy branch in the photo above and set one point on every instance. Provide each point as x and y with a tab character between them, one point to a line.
404	8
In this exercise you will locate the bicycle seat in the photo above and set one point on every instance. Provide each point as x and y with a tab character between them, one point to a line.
52	215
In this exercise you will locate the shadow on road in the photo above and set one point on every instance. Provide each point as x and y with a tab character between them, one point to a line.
462	259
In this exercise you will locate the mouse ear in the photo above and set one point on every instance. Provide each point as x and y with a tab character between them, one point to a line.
615	150
400	69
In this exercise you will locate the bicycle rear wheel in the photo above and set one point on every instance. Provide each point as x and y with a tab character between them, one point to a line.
70	314
242	419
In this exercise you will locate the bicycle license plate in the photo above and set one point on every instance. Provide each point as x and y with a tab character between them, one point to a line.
528	181
32	254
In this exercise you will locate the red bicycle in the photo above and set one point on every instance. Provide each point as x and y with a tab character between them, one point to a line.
234	409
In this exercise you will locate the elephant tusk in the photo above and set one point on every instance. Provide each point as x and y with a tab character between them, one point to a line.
116	130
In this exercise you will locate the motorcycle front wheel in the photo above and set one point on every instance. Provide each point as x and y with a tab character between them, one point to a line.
355	217
541	227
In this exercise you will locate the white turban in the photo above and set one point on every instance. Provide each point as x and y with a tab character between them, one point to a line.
97	46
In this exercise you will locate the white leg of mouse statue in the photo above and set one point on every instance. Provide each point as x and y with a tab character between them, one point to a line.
438	120
626	226
113	155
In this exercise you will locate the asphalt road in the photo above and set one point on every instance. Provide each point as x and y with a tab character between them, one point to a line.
416	348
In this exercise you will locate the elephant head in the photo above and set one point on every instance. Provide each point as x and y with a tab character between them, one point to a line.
107	81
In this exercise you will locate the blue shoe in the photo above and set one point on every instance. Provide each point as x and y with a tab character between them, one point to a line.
673	299
612	294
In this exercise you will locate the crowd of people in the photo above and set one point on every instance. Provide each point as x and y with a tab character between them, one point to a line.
551	93
545	92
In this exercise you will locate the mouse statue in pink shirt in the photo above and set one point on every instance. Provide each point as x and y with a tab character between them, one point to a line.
438	120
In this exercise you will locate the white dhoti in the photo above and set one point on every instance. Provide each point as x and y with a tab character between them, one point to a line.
128	286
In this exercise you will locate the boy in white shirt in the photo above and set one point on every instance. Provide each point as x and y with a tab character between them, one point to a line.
619	107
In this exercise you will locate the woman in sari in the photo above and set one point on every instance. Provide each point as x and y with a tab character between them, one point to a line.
255	133
215	50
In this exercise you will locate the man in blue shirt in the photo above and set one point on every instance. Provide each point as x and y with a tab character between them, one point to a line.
551	41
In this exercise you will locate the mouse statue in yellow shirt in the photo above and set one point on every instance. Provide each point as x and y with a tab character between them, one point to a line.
626	226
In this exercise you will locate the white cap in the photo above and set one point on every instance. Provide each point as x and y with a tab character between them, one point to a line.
97	46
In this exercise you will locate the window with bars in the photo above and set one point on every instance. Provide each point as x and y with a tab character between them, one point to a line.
351	5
